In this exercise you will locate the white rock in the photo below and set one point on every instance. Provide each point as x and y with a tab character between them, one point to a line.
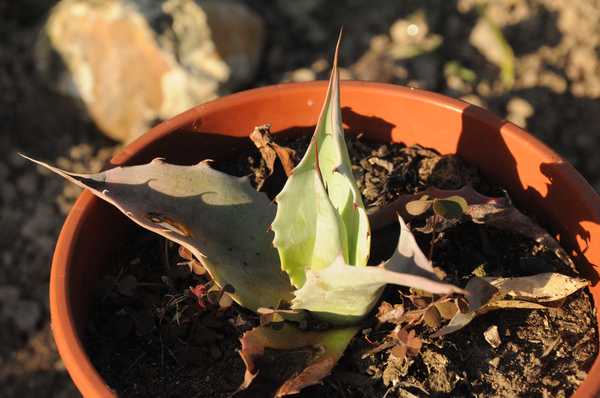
519	110
134	61
302	75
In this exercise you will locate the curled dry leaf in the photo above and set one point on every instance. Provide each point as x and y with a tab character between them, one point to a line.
450	208
532	292
320	353
542	288
390	313
384	216
492	336
220	219
496	212
269	150
408	344
431	312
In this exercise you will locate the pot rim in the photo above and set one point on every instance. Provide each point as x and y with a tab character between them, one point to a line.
69	345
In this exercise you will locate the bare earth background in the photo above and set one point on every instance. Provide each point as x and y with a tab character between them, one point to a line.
555	95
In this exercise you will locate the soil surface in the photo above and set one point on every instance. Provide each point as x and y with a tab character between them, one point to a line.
555	95
151	336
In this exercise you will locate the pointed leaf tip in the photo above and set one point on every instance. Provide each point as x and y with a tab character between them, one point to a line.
316	216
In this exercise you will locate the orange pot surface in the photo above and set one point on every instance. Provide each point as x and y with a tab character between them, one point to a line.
537	178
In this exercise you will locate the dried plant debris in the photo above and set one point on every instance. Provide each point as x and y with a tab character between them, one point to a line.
492	336
467	204
270	151
533	292
285	371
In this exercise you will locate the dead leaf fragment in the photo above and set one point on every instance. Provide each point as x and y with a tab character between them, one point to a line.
492	336
532	292
385	215
543	287
432	317
320	352
447	309
269	150
388	313
496	212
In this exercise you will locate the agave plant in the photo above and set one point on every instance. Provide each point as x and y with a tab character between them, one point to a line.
305	256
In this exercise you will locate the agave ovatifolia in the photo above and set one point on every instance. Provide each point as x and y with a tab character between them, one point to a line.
315	258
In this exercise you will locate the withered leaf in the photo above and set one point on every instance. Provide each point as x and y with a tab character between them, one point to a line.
388	313
541	287
492	336
269	150
432	317
323	350
447	308
532	292
496	212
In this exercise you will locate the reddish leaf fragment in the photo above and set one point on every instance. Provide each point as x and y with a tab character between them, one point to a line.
409	339
200	291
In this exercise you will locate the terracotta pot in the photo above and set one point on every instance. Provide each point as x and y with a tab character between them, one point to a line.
537	178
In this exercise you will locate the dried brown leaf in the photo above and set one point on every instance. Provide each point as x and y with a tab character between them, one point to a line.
447	308
323	350
540	288
385	215
481	209
492	336
399	351
269	150
528	292
388	313
432	317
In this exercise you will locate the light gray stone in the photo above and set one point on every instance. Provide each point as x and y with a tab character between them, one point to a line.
132	62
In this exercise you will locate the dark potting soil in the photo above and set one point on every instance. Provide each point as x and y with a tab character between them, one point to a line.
148	336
